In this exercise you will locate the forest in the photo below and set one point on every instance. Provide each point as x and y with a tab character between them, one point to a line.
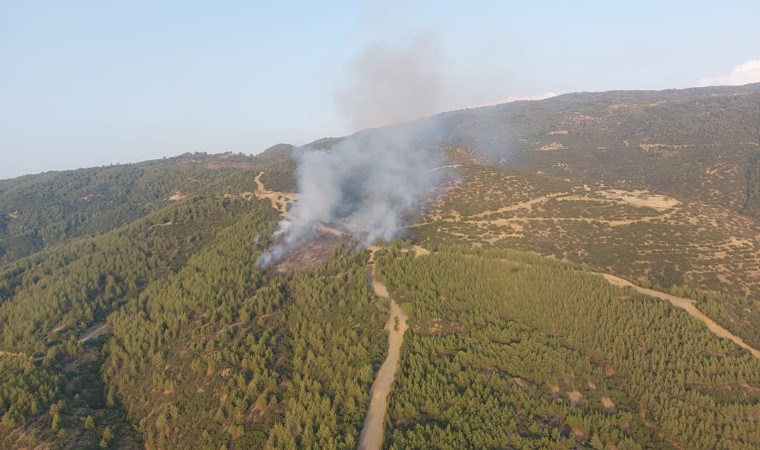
507	353
133	313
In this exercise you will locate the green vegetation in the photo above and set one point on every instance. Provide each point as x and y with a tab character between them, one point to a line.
752	207
701	251
133	314
49	298
503	353
252	356
693	143
39	211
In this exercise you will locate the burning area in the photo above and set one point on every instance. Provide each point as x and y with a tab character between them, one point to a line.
372	180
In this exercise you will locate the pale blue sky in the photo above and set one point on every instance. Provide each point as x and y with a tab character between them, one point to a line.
86	83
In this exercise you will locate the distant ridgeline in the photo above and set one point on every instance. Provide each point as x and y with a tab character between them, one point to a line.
37	211
133	313
695	143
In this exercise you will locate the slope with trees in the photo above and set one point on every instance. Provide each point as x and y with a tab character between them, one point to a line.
504	353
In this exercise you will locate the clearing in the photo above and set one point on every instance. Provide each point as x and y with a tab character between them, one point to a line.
280	200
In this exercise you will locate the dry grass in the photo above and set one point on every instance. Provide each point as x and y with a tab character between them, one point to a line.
639	235
281	201
574	396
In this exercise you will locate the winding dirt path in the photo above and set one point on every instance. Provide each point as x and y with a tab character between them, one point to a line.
679	302
688	305
279	200
372	432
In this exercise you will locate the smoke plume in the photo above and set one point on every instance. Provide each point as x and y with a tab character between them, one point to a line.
390	84
364	184
369	180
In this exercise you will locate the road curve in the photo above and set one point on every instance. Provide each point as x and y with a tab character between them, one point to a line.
688	305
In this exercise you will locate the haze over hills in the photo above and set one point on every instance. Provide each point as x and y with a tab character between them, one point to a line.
697	143
135	310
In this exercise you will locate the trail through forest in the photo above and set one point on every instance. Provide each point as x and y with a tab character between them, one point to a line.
372	432
688	305
685	304
93	332
280	200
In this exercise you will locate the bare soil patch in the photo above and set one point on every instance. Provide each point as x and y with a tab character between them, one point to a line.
221	164
575	396
94	332
311	254
642	199
17	354
551	147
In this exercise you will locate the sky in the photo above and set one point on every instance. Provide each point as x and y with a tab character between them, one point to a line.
91	83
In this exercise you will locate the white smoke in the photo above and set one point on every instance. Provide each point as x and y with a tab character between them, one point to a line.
392	84
368	181
365	184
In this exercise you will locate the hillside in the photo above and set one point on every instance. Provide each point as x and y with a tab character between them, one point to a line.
133	312
506	350
638	234
699	143
37	211
710	253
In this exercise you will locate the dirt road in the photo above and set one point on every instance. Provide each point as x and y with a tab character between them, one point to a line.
688	305
372	432
93	332
279	200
